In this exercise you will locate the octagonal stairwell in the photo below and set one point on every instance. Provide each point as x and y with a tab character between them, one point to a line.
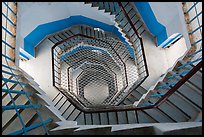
89	85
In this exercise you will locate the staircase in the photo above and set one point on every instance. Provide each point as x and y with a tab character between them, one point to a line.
27	109
121	20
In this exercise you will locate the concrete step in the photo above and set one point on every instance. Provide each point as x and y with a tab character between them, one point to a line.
26	115
168	108
196	80
80	119
180	115
191	94
179	101
8	115
112	118
68	112
122	117
88	119
96	118
145	118
60	102
132	117
74	115
7	99
57	98
39	130
104	118
158	115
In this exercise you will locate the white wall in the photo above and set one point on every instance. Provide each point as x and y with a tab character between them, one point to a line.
32	14
171	15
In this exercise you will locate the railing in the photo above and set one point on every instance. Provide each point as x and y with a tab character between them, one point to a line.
139	55
141	62
10	74
173	87
185	74
193	15
56	69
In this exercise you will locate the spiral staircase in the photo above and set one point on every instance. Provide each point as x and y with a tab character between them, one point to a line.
98	79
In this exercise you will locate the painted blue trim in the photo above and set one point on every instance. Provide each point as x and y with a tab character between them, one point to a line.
9	73
7	57
179	74
148	104
13	81
24	56
200	40
16	91
9	67
156	28
166	85
189	63
9	19
20	106
9	8
11	34
170	40
156	95
7	44
195	30
33	126
191	7
195	17
195	53
34	37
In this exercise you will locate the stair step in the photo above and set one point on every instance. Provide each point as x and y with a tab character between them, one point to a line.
7	99
88	119
112	118
74	115
104	118
57	98
68	112
127	101
96	118
80	119
144	118
196	80
141	90
180	102
177	115
13	87
107	7
9	114
11	126
157	115
39	130
131	117
192	95
122	117
15	125
60	103
53	40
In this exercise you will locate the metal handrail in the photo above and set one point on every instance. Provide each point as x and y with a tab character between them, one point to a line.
125	107
131	107
9	66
